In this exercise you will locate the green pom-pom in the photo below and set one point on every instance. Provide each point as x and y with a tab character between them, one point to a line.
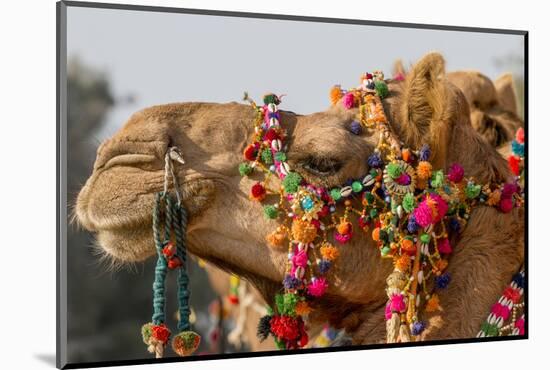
270	211
271	98
472	190
357	186
381	89
335	194
373	213
245	169
394	170
280	157
385	251
146	332
289	304
425	238
437	179
408	202
267	156
291	182
491	330
279	303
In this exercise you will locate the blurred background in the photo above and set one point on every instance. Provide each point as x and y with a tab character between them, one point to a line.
120	61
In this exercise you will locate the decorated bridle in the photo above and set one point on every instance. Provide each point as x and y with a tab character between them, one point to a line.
409	208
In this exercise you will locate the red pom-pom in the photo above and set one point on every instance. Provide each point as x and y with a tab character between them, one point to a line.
506	205
271	134
257	192
169	250
324	211
520	136
285	327
174	263
233	299
160	333
250	152
369	76
513	163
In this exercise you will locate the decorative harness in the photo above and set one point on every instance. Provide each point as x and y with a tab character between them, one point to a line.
409	208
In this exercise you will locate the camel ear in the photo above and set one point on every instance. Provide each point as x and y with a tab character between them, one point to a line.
399	71
506	92
425	107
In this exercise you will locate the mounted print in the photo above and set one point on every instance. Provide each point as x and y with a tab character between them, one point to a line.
235	184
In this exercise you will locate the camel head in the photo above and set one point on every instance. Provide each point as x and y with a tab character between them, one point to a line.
229	229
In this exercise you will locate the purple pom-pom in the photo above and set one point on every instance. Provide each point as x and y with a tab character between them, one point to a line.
324	266
375	161
291	282
356	128
418	327
442	281
425	153
412	226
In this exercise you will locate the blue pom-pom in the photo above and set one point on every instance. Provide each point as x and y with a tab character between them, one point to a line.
454	224
425	153
348	182
412	226
443	280
519	279
273	115
418	327
517	148
291	282
324	266
374	160
356	128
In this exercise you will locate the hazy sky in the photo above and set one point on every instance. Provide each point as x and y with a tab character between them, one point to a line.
164	57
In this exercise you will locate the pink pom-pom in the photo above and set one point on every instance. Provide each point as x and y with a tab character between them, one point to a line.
300	259
508	190
387	311
403	179
317	287
342	238
442	208
456	173
399	77
444	246
397	303
520	136
348	100
520	324
500	310
423	215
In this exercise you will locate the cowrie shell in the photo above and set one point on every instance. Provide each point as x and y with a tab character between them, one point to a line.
272	108
285	169
346	191
276	145
273	121
299	273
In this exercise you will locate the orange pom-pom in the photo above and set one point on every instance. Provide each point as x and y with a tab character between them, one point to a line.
403	263
376	234
494	198
335	94
441	265
302	308
408	246
303	231
406	155
433	304
329	252
424	170
275	239
344	227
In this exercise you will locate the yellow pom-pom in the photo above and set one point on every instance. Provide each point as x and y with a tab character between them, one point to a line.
403	263
275	239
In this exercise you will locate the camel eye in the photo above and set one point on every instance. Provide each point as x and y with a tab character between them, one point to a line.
320	166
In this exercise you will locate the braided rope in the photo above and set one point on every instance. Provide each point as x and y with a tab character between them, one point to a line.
161	268
183	278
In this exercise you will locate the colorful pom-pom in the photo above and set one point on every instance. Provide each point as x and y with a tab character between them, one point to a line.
437	179
348	100
161	333
403	263
443	280
472	190
513	163
381	89
267	156
276	239
264	328
291	182
257	192
517	148
280	157
146	332
506	205
375	161
412	225
424	170
303	231
394	170
317	287
270	211
335	94
355	128
329	252
520	135
324	266
291	282
250	152
444	246
433	304
425	153
456	173
185	343
397	303
418	327
408	202
245	169
271	98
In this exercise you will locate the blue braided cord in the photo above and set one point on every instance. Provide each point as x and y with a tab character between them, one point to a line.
183	279
161	267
